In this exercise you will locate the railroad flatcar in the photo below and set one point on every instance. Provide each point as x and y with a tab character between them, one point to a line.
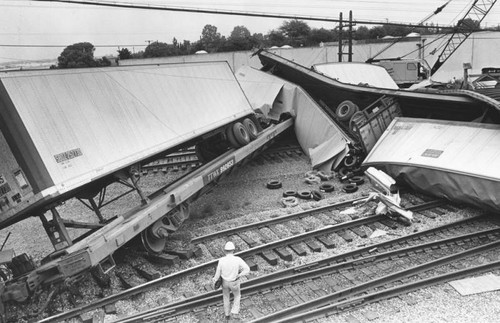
63	132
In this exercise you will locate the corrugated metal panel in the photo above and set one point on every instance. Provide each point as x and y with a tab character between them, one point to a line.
320	138
456	160
358	73
90	122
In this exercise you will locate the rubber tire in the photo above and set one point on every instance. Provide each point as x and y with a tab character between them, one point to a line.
358	180
327	187
350	188
204	155
274	184
350	161
241	134
230	137
289	193
316	195
343	171
345	110
305	195
252	130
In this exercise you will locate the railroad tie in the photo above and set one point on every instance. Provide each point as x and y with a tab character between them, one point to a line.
297	248
147	273
359	232
164	259
389	223
270	258
252	264
249	241
256	314
345	235
313	245
283	254
327	242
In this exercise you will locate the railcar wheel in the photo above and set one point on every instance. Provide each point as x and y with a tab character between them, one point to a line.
253	132
241	134
345	110
152	243
230	137
200	153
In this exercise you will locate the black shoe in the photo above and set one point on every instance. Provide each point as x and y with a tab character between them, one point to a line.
228	318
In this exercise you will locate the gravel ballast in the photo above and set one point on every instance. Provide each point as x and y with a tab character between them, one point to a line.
242	198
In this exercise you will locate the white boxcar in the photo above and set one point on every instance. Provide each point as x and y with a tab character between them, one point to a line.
62	129
455	160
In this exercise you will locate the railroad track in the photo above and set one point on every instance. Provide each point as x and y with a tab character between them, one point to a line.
352	279
316	240
186	160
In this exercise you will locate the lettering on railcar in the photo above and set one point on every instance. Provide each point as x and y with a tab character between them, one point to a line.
219	170
67	155
433	153
272	135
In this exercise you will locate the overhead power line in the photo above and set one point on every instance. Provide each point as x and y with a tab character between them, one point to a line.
58	46
228	12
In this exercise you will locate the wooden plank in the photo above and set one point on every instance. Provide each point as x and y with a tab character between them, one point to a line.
283	254
327	242
297	248
164	259
270	258
148	273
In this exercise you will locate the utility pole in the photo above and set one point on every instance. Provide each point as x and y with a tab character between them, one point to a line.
340	37
350	37
341	25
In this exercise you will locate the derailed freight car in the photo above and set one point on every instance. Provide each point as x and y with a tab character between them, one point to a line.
63	129
71	133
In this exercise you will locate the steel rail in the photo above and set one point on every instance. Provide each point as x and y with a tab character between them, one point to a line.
211	264
171	310
338	307
276	220
364	287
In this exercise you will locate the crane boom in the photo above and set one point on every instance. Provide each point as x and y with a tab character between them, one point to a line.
464	28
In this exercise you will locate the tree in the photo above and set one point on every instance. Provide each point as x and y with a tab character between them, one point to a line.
104	61
157	49
361	33
258	40
124	53
297	31
240	39
376	32
210	38
469	24
77	55
275	38
317	36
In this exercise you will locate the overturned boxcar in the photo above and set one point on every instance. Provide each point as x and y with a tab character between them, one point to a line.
68	131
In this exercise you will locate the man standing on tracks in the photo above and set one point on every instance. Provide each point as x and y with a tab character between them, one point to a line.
231	268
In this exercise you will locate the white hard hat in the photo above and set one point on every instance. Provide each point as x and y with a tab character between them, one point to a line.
229	246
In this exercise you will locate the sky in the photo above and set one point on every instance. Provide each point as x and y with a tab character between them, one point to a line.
35	30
